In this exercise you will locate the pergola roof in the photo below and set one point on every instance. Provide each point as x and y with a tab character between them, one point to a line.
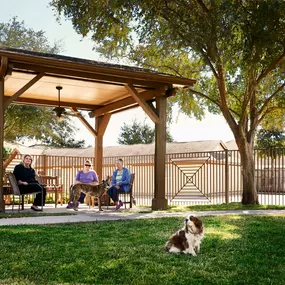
31	78
87	85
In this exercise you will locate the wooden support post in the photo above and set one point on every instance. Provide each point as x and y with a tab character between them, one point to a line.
98	156
2	203
101	124
159	201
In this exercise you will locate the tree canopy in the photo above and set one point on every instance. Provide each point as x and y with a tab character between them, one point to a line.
31	122
235	50
270	139
138	133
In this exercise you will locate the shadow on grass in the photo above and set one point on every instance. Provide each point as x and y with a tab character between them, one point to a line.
235	250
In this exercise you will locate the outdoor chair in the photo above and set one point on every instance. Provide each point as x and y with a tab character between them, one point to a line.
16	192
52	187
128	197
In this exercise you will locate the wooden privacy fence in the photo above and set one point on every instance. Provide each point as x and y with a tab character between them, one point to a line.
212	177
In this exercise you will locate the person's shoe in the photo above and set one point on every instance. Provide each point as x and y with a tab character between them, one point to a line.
69	205
120	204
35	208
76	204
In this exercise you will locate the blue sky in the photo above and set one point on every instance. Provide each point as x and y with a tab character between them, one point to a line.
37	15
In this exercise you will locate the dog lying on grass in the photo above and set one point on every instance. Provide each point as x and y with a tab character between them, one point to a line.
92	190
187	239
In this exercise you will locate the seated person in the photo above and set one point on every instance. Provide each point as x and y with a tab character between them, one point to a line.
25	176
88	176
120	182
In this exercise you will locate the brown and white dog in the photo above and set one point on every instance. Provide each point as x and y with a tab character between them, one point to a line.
92	190
188	239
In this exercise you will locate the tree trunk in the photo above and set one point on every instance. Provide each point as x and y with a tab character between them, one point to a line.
249	195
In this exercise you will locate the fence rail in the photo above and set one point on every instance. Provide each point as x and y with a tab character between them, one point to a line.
213	177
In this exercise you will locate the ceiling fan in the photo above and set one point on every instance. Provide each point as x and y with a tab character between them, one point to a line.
59	111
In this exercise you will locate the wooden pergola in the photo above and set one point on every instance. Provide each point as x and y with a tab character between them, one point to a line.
31	78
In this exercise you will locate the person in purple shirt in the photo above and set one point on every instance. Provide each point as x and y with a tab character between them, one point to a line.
86	175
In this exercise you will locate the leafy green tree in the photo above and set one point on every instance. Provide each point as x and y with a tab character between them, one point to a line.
24	123
235	50
60	137
30	122
6	152
269	142
15	34
138	133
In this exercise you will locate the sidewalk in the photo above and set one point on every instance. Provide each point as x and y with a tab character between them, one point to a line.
85	214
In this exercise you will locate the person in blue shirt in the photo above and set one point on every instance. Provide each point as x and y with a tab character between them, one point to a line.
120	182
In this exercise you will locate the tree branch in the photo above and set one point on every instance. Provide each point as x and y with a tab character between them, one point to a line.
204	96
253	115
266	102
205	56
224	107
249	98
203	5
165	66
268	111
271	67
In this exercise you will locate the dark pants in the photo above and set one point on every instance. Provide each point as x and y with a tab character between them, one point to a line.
34	188
113	192
82	197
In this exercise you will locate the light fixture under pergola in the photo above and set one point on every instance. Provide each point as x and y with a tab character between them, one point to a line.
61	111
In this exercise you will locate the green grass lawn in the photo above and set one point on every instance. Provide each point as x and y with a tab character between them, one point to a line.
218	207
224	207
235	250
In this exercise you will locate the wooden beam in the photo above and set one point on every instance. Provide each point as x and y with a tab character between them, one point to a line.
85	123
104	121
98	153
2	204
149	103
3	72
67	63
123	103
159	201
47	103
79	74
98	150
101	124
23	89
125	109
9	72
3	66
149	111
